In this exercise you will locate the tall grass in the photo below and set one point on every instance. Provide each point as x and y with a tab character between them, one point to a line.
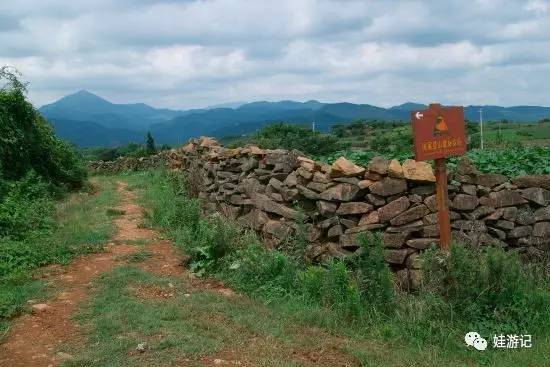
487	290
77	225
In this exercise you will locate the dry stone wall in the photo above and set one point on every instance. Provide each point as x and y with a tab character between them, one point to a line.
263	189
122	164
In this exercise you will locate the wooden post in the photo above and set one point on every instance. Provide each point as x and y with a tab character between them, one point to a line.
442	207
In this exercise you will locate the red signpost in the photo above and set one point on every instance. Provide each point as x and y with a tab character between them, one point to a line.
440	132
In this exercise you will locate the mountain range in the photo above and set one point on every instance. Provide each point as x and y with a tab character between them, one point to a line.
87	120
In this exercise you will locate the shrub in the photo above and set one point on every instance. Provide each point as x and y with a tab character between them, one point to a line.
311	283
340	291
302	138
26	208
485	286
210	241
373	275
27	141
260	272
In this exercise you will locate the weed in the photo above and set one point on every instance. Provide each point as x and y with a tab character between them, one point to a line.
488	291
488	287
79	228
119	320
115	212
137	257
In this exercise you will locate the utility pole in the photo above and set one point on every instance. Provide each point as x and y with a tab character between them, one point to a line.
481	126
500	132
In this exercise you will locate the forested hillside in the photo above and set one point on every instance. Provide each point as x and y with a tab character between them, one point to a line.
88	120
36	169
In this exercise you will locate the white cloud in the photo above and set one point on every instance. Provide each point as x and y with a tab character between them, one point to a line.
194	53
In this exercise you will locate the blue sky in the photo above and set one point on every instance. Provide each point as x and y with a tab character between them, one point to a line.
185	54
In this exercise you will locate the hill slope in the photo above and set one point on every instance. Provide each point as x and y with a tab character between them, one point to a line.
89	120
87	134
86	106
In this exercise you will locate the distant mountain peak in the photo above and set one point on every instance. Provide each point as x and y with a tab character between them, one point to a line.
83	92
83	96
409	106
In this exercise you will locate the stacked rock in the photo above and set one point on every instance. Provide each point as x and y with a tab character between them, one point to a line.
279	192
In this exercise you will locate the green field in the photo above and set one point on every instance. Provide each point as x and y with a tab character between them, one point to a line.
509	148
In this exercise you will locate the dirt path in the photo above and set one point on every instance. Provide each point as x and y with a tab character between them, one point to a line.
34	338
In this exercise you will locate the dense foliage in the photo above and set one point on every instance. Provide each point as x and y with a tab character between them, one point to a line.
287	136
35	168
512	161
506	149
27	141
133	150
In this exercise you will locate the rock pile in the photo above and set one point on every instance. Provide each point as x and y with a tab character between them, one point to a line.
268	190
271	191
122	164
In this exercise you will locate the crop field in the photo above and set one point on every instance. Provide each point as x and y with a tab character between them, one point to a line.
512	149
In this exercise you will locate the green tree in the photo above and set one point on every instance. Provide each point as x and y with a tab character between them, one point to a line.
302	138
150	144
27	140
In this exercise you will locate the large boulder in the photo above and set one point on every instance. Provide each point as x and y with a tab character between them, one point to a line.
465	202
409	227
326	208
279	229
393	209
207	142
250	186
542	214
466	167
365	184
389	186
263	202
469	225
310	194
542	229
395	169
254	219
418	171
376	200
351	236
317	186
340	192
410	215
346	168
284	160
320	178
378	165
395	240
276	184
356	207
327	223
536	195
370	218
542	181
489	179
335	231
422	243
503	198
397	256
291	180
522	231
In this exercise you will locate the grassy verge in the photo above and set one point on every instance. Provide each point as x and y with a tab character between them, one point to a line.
80	225
179	324
487	291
